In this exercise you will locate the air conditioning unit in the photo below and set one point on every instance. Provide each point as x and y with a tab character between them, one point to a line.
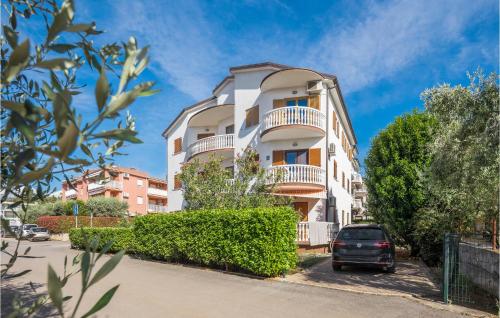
314	87
126	175
125	194
331	149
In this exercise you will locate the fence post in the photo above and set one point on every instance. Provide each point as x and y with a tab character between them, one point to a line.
446	266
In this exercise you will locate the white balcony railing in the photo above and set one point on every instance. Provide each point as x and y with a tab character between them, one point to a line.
211	144
157	208
70	193
316	233
356	178
157	192
357	204
94	187
296	174
294	116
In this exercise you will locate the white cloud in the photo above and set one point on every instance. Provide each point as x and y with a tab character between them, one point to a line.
182	47
391	36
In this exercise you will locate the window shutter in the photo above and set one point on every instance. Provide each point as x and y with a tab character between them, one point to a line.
177	145
335	169
278	157
252	116
177	182
334	121
314	101
315	157
343	180
277	103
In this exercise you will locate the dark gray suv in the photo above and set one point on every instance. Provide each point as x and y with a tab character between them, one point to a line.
364	245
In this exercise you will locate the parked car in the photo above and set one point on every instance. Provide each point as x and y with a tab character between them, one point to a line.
38	234
364	245
15	230
25	229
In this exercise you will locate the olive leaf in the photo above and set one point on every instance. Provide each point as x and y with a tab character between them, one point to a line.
101	90
120	134
11	36
56	64
55	290
107	267
102	302
17	60
68	141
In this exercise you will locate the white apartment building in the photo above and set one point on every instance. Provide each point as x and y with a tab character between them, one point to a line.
297	121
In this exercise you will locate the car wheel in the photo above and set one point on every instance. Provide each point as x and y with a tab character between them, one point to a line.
391	269
337	268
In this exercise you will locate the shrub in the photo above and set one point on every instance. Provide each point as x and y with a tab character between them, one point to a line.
62	224
101	206
123	238
258	240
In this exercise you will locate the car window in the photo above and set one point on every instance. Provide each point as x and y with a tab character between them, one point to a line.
39	229
362	234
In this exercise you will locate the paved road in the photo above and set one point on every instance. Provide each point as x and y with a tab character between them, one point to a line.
151	289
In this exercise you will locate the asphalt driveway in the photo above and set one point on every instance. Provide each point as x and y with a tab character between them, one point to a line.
411	279
154	289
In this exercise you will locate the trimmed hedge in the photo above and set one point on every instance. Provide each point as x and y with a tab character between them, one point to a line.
122	237
258	240
62	224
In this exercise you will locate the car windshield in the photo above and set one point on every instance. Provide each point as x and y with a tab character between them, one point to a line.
29	226
39	229
362	234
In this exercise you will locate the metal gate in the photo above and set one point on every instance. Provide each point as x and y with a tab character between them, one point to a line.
470	269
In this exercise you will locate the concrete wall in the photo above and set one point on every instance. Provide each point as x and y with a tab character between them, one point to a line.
481	266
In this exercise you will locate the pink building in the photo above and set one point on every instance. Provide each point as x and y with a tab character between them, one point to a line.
143	193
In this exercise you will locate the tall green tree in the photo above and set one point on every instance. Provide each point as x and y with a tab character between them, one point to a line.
208	185
394	163
462	181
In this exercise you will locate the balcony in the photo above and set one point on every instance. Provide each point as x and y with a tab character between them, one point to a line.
360	193
357	204
316	233
222	144
70	194
157	192
297	177
157	208
99	187
293	123
357	179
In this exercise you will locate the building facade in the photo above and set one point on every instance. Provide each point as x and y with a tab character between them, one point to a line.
143	193
360	196
294	118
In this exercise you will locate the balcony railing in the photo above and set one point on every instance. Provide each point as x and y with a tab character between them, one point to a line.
356	178
70	193
316	233
296	174
211	144
294	116
94	187
157	192
157	208
357	204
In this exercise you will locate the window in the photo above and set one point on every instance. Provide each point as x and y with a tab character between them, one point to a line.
177	182
296	157
252	116
230	129
140	200
348	186
337	129
335	169
177	145
335	122
140	183
296	101
343	180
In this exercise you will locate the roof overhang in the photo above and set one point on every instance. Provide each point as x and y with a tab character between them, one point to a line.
291	77
208	116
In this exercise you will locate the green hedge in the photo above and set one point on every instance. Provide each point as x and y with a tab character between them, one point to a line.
259	240
122	237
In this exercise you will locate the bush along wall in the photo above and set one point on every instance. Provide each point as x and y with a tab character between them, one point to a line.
62	224
258	240
122	238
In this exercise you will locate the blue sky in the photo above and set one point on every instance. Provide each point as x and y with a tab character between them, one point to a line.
384	53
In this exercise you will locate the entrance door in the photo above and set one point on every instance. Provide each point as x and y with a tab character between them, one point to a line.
201	136
303	209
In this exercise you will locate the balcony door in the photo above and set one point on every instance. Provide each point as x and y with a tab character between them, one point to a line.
296	157
303	209
201	136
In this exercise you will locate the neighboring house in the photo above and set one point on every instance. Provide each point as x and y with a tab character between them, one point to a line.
294	118
144	194
359	195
